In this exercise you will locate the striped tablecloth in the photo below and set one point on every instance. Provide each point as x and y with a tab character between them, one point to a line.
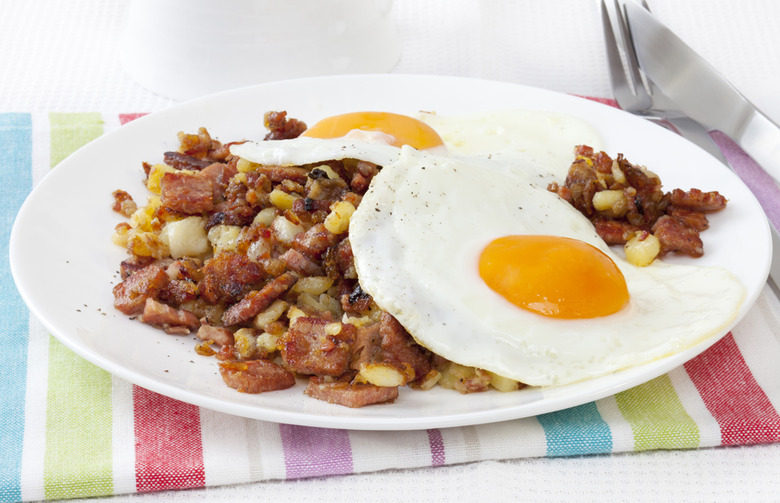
69	429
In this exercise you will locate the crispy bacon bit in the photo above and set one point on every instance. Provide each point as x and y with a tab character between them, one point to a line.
255	376
298	262
187	193
697	200
228	277
318	346
258	300
350	395
181	161
314	241
169	319
123	203
675	235
221	336
131	294
282	128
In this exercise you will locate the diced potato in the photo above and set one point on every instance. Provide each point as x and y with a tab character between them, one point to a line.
258	249
605	199
244	166
121	232
430	380
617	173
502	383
323	302
642	249
146	218
282	199
146	244
224	237
382	374
337	220
186	237
285	230
268	342
246	342
328	171
271	314
314	285
266	216
454	373
293	313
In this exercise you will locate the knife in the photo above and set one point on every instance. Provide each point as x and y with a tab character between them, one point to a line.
704	95
700	91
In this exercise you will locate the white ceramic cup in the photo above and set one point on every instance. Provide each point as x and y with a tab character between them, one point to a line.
183	49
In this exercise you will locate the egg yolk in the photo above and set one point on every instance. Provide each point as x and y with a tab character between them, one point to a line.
405	130
554	276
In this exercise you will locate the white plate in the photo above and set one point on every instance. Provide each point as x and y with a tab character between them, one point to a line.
65	265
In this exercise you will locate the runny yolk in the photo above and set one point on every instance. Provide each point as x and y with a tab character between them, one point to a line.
405	130
554	276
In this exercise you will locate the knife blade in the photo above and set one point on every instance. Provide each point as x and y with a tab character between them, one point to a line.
700	91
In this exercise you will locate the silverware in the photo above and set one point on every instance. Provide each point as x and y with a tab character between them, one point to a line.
700	91
636	93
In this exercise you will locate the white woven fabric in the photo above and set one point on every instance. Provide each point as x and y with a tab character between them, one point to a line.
62	56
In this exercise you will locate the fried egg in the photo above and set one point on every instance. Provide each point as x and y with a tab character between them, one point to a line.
458	239
488	269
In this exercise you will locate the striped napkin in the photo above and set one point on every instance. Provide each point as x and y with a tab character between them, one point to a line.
69	429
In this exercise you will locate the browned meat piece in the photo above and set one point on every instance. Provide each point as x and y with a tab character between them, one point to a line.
582	182
220	175
197	145
698	200
258	300
255	376
355	300
364	173
178	160
367	347
282	128
279	173
312	347
233	209
350	395
220	336
562	191
314	241
298	262
614	232
321	188
170	319
229	276
400	349
187	193
130	295
134	264
123	203
179	291
311	205
694	219
675	235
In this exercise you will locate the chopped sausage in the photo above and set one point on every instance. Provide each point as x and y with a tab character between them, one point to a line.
255	376
130	295
318	346
187	193
675	235
258	300
698	200
298	262
350	395
229	276
166	317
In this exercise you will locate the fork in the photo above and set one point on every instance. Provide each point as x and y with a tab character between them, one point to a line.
636	93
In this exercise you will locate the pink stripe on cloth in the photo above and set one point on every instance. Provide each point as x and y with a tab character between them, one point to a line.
314	452
125	118
436	443
732	395
168	445
760	183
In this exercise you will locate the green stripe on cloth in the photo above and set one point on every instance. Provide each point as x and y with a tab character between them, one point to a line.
70	131
657	417
78	459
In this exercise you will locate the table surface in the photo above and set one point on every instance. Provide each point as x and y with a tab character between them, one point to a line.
62	56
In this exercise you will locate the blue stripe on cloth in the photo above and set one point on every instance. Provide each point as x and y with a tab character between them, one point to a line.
15	184
575	431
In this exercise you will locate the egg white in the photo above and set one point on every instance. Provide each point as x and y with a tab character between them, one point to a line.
417	236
